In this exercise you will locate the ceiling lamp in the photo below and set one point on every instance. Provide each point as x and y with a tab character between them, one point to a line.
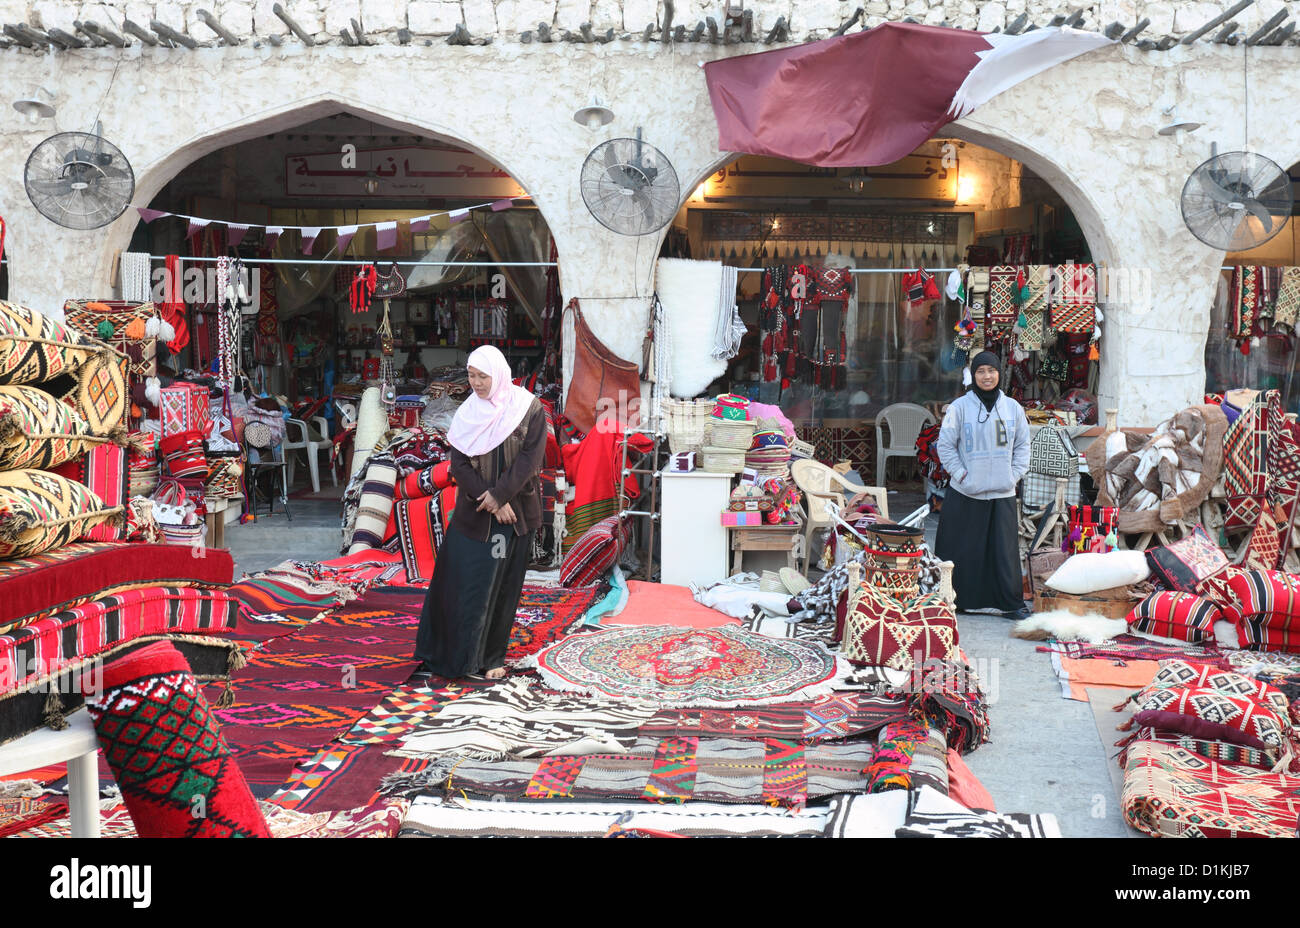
38	106
1177	127
594	115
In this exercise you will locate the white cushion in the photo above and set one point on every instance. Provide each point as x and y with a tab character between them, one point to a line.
1088	573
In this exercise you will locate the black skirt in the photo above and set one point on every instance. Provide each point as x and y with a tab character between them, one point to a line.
980	537
472	599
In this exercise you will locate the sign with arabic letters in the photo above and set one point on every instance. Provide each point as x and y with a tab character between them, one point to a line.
406	171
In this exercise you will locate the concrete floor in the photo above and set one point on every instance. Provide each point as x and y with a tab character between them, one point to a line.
1046	752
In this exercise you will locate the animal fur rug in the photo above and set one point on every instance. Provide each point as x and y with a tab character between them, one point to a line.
1068	626
1158	478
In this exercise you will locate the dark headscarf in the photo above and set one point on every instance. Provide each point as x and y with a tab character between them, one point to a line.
987	397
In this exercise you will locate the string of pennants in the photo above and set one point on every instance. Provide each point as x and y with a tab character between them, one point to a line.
385	231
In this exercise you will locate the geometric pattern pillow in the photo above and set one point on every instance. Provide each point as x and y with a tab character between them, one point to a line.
1206	676
40	511
1183	616
881	631
1225	752
596	552
1265	549
100	392
36	430
1206	713
1216	589
1184	564
35	348
106	471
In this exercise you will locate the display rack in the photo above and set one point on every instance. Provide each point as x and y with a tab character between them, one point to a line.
643	464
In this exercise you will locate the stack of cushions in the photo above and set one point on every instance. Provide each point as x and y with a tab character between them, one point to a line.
62	398
595	554
1215	713
1265	608
1178	618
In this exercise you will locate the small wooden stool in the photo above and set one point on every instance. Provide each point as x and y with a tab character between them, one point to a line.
784	537
76	744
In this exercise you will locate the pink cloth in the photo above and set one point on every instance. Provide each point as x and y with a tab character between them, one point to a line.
482	424
764	411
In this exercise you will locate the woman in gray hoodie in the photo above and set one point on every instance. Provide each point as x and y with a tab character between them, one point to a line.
984	446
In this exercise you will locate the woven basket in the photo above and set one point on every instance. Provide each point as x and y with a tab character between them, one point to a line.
144	480
185	534
733	435
684	422
721	460
225	475
801	449
86	315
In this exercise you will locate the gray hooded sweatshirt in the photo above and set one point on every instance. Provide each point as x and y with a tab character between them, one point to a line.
985	452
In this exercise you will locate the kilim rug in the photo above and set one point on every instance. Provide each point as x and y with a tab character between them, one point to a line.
342	776
1131	647
1172	793
21	814
544	615
380	820
831	718
176	774
301	691
521	718
722	666
770	771
432	817
407	707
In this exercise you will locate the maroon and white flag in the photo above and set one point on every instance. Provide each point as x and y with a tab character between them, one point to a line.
873	96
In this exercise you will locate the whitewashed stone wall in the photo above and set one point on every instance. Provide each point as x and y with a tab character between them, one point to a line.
1087	128
507	19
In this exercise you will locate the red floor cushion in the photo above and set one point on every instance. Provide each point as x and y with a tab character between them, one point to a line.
35	587
1269	605
1181	616
1207	713
596	552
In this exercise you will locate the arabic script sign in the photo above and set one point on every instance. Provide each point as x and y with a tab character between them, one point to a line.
914	177
405	171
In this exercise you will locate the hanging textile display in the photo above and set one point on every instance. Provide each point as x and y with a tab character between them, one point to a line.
1074	303
730	330
135	277
1037	281
834	287
1003	304
1287	311
363	289
690	292
387	377
771	323
173	304
227	322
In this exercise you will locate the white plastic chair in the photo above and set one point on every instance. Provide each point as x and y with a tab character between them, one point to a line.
299	436
822	486
904	421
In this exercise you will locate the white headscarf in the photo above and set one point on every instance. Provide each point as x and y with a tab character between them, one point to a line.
480	425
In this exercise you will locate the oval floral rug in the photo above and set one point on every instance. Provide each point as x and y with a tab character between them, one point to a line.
719	667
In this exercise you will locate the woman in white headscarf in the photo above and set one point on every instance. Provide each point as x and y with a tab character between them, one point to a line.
498	444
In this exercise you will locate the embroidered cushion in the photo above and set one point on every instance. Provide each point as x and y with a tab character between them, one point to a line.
1184	564
107	473
40	511
1217	589
1206	713
1265	549
36	430
1183	616
1269	609
1175	673
35	348
881	631
98	391
596	552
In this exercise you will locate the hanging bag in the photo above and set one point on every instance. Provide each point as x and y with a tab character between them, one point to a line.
391	285
600	378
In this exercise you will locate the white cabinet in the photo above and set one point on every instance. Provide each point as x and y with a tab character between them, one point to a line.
693	539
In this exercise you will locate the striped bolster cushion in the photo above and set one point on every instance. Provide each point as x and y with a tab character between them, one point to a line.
1270	609
596	552
1184	616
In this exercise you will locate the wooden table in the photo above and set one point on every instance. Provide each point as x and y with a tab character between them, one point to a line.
77	745
216	519
787	537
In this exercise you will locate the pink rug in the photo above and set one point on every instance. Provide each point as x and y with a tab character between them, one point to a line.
666	604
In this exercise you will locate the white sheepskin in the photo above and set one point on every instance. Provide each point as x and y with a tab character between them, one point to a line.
1067	626
689	292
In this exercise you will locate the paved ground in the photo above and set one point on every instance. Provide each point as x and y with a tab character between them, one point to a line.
1046	753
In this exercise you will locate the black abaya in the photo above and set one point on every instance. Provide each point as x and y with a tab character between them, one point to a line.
472	599
980	537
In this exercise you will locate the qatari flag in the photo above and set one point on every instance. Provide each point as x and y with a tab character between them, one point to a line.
872	97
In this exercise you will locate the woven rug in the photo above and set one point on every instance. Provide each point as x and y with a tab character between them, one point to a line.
544	615
1133	648
722	666
432	817
842	716
407	707
176	773
301	691
1172	793
381	820
768	771
342	776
